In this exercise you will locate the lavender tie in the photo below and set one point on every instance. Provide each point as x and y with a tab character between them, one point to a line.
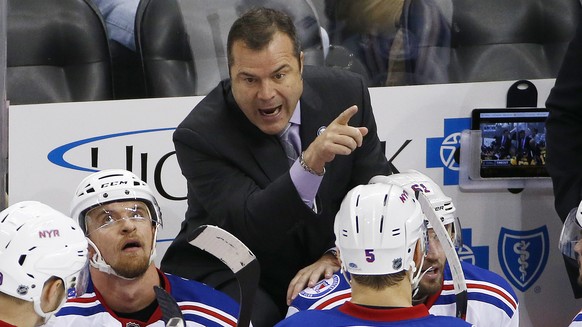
289	140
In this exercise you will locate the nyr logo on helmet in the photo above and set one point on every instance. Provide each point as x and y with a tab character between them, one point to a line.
322	288
404	196
523	255
440	151
48	233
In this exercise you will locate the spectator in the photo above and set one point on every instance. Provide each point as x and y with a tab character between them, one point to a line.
397	41
504	143
239	175
381	239
44	259
120	218
523	144
119	17
367	28
492	301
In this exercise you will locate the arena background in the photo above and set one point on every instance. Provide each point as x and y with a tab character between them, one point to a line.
513	234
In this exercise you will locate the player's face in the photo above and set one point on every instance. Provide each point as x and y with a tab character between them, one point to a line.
267	83
123	232
431	281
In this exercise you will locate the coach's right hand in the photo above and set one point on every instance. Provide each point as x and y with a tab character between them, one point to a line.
337	139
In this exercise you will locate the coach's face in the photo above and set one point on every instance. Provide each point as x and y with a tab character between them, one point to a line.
267	83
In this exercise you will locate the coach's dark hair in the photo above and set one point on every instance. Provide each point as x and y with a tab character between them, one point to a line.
257	27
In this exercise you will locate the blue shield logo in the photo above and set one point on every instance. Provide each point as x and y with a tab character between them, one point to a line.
523	255
440	151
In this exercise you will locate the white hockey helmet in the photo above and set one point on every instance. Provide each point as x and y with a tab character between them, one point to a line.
112	185
415	181
38	242
571	233
377	229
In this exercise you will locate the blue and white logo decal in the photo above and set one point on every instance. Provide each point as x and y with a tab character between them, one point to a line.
57	155
523	255
440	151
477	255
322	288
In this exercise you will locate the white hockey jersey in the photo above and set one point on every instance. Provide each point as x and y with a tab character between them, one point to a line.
491	300
200	304
577	321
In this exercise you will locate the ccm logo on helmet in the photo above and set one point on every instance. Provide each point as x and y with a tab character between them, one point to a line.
48	233
113	184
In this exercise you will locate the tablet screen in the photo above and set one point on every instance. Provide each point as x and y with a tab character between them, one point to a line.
513	142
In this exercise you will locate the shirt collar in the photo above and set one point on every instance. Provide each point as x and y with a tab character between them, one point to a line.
296	118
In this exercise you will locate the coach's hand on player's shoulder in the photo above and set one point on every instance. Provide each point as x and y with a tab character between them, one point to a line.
325	267
337	139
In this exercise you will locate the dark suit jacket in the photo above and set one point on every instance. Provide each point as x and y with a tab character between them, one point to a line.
564	137
503	145
238	179
523	146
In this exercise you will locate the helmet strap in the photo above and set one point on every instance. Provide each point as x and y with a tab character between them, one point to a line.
344	272
417	274
46	315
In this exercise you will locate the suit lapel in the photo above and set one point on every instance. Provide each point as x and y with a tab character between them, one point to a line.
312	116
269	156
265	149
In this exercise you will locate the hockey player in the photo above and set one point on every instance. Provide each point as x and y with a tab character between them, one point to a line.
571	247
491	300
43	256
120	216
381	239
